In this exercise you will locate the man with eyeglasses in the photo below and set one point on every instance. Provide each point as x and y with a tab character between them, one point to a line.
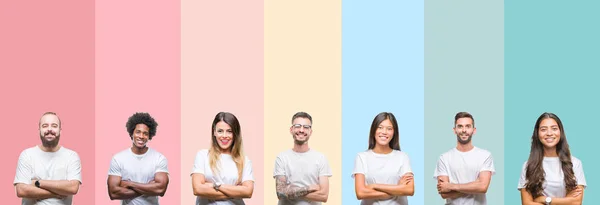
138	174
301	174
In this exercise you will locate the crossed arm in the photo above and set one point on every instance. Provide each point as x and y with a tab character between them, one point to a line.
451	191
48	189
313	192
226	191
119	189
405	187
574	197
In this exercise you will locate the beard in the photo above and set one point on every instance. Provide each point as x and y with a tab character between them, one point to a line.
461	141
300	142
50	143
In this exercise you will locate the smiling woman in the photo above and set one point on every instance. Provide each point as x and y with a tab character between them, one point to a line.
551	175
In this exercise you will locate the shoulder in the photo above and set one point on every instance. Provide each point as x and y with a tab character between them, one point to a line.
400	154
362	154
202	152
247	159
68	151
575	161
29	151
480	151
122	154
448	153
284	154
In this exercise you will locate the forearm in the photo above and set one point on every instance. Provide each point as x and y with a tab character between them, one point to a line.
396	190
60	187
451	195
475	187
207	191
122	193
31	192
320	196
369	193
149	189
239	191
566	201
291	192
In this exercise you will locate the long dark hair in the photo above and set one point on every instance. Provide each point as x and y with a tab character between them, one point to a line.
395	142
535	171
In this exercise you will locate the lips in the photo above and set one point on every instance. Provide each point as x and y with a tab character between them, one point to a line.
225	141
550	139
383	137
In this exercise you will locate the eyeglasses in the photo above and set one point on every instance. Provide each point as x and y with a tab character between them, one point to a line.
298	126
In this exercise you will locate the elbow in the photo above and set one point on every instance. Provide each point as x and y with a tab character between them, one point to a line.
249	194
360	195
196	191
410	192
483	190
21	192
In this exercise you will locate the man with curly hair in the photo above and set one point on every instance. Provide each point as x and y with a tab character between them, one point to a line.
139	174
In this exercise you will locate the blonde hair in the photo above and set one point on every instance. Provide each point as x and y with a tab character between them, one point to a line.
236	148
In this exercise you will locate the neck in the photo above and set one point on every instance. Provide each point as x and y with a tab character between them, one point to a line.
464	147
301	148
550	152
49	149
382	149
137	150
225	151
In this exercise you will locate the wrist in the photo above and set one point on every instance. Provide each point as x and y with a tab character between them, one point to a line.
216	186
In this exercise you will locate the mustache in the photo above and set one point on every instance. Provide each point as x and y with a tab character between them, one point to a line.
49	132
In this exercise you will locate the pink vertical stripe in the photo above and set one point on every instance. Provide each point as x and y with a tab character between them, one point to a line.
137	70
222	70
47	64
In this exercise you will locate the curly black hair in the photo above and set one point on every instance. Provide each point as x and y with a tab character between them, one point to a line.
141	118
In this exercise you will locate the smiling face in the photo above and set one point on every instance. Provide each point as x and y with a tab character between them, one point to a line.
50	130
141	135
384	133
549	133
224	136
464	130
301	130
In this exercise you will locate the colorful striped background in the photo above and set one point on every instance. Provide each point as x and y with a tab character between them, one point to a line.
97	62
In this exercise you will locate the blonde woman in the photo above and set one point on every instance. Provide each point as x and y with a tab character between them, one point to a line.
222	174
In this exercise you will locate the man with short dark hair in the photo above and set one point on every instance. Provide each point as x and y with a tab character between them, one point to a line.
464	173
301	174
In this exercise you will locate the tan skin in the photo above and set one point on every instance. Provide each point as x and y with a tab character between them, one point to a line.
549	136
122	189
464	128
404	187
49	127
204	189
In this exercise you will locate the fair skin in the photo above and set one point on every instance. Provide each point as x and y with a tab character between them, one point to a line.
49	128
224	135
549	136
404	187
301	131
124	189
464	130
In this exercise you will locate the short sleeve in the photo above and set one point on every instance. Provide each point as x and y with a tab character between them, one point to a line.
405	165
279	169
488	164
162	165
441	169
358	166
74	168
522	179
115	167
578	171
199	163
324	169
24	173
247	172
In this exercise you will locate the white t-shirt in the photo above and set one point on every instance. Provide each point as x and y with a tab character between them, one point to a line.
228	175
34	163
301	170
463	168
554	184
140	169
383	169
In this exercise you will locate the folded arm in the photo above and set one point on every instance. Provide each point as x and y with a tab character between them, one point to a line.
243	190
574	197
60	187
285	191
29	191
322	192
367	192
115	191
405	186
157	187
205	189
479	186
447	194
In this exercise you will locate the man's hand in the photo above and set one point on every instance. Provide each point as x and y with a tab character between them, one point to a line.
444	186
